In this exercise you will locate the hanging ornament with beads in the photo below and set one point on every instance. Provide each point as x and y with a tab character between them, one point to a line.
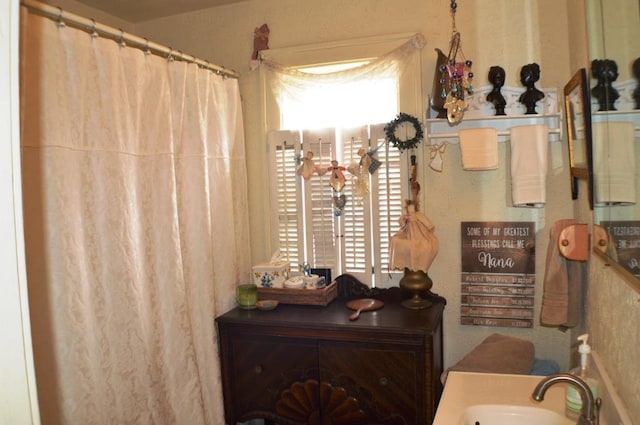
456	75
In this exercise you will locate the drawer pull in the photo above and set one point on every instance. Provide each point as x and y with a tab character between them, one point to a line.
383	381
258	369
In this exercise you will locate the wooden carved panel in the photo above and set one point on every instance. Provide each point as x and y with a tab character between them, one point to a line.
316	403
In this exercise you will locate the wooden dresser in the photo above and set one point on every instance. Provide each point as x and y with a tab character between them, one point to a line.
312	365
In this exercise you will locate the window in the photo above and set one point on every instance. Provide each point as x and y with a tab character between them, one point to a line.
338	120
342	103
311	225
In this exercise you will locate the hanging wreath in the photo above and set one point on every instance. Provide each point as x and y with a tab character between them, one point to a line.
391	128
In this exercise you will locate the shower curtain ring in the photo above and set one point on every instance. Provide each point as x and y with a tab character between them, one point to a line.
60	22
146	47
121	42
94	33
170	56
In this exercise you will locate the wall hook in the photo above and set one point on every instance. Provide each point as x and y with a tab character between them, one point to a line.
603	242
573	242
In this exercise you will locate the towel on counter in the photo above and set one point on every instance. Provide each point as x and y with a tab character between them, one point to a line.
479	148
529	162
497	354
614	163
562	286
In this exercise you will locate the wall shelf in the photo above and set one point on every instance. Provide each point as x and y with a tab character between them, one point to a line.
480	114
631	116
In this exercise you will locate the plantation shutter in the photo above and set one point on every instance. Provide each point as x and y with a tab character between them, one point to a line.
389	183
285	189
353	240
320	228
356	223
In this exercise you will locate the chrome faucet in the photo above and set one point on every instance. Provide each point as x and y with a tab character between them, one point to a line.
590	406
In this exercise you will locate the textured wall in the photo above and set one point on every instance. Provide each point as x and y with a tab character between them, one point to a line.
613	318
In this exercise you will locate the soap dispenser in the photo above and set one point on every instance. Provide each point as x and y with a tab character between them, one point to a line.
573	400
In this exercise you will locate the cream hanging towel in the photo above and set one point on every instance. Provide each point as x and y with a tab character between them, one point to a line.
614	163
479	148
529	161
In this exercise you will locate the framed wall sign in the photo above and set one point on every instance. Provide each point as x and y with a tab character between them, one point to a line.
498	274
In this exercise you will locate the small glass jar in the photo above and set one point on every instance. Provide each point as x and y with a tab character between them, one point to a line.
247	296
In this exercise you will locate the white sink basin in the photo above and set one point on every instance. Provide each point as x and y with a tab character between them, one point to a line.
467	394
504	414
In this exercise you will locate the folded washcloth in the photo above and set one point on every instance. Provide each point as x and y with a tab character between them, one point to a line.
479	148
497	354
614	163
544	367
529	159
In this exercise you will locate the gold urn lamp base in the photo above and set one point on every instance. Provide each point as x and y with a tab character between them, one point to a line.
416	282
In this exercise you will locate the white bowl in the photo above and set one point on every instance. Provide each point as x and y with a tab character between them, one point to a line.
294	283
311	282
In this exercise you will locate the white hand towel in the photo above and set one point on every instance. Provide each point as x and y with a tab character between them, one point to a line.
614	163
529	162
479	148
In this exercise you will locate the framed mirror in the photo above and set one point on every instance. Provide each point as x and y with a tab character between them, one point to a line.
578	112
614	41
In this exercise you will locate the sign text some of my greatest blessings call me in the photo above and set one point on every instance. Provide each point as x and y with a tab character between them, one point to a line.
626	237
498	274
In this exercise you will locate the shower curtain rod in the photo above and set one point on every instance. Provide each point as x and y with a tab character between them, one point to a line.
91	26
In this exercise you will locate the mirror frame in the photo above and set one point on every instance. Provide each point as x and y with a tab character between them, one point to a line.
578	86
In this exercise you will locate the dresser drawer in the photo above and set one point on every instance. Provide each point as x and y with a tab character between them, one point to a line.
384	379
263	367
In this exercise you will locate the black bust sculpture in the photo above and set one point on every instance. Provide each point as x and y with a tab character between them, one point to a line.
496	78
529	75
606	72
636	73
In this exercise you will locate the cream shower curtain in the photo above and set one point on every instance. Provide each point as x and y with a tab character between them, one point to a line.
136	225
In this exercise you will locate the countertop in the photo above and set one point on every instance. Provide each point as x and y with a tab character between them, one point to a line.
464	389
